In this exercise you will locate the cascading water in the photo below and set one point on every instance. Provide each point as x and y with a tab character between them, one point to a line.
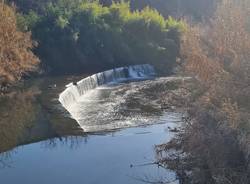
100	108
74	92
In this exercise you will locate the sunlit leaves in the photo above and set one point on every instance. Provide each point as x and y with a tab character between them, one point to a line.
84	34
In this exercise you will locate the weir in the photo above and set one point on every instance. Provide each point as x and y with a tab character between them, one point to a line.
75	90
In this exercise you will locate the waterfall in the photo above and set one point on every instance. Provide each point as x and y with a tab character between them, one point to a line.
75	90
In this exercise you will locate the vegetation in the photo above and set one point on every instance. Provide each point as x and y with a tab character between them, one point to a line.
26	5
86	36
16	57
198	9
79	36
216	137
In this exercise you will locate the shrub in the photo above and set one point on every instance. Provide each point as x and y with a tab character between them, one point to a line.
16	57
79	36
215	140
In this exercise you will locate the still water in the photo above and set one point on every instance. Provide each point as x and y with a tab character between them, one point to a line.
41	144
123	157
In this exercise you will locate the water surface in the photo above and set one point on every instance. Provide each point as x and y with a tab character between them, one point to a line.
122	157
41	143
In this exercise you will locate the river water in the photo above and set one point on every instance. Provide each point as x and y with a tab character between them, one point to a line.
110	140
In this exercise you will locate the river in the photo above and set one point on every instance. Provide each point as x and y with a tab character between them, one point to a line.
110	139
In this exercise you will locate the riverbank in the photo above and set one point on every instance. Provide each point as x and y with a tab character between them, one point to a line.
206	149
215	138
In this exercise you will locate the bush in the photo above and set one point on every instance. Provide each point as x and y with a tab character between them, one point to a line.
16	57
79	36
216	139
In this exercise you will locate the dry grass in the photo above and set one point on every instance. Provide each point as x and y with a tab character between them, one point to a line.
216	137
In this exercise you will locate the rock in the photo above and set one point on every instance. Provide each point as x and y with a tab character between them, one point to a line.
52	86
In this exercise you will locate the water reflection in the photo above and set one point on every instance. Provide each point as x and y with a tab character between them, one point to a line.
27	116
72	142
5	159
17	112
36	138
123	157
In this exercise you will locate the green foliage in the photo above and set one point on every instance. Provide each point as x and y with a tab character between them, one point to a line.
172	23
28	21
84	36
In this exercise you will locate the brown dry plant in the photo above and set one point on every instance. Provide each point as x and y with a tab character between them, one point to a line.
215	138
16	57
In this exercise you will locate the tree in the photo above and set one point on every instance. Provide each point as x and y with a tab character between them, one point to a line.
79	36
178	8
16	57
219	54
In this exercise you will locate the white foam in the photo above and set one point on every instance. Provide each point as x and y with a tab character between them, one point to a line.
73	92
94	103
